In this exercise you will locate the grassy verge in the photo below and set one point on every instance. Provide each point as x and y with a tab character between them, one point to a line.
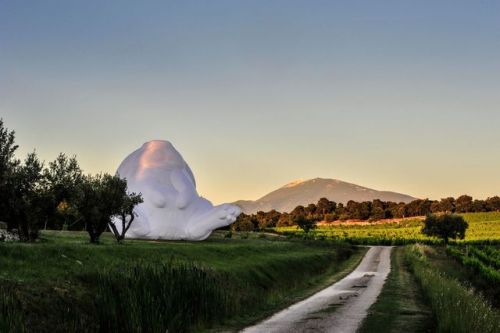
457	308
65	284
400	306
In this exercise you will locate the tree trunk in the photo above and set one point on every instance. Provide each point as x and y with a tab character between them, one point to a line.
125	225
94	236
114	230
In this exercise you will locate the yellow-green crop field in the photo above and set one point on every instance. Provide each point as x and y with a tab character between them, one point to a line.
484	228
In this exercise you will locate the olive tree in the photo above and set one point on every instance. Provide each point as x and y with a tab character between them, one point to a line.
8	165
102	197
304	223
445	226
63	178
30	200
126	214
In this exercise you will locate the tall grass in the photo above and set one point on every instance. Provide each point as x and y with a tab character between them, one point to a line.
457	308
183	296
173	297
155	287
11	319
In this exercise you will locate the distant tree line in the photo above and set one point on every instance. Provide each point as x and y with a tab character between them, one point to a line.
329	211
58	196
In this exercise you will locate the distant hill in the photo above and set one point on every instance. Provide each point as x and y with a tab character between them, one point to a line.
304	192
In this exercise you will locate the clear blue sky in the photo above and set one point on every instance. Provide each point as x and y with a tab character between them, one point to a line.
397	95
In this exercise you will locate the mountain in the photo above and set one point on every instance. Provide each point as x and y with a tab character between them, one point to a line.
304	192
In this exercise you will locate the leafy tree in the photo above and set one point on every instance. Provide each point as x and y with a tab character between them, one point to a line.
377	214
299	210
445	226
436	207
340	210
419	207
325	206
330	217
365	209
285	220
63	176
359	210
310	210
243	223
493	203
399	210
424	207
8	165
126	214
377	203
448	205
66	212
267	220
379	210
479	206
304	223
463	204
261	216
352	209
30	201
100	198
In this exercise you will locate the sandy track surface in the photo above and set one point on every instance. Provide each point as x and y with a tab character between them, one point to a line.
339	308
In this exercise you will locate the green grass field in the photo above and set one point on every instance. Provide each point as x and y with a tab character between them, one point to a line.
484	228
63	283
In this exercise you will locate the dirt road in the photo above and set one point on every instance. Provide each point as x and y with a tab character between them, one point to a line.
339	308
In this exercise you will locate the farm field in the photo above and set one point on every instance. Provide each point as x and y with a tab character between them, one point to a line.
481	267
63	283
484	228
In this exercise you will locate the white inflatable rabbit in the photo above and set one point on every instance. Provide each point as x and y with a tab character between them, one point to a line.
172	209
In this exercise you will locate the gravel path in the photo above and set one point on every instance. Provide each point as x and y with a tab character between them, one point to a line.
338	308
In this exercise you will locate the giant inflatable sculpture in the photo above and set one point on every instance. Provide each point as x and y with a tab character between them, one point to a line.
172	209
